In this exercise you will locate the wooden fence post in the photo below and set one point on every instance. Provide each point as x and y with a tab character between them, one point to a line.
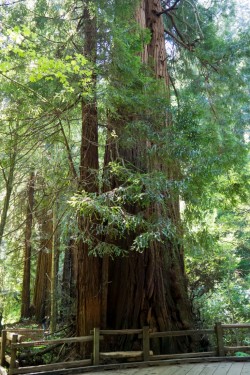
13	353
145	343
220	343
3	347
96	347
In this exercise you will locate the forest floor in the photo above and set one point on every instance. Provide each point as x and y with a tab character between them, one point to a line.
28	324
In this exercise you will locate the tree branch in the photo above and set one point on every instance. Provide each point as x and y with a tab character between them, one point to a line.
183	44
176	28
166	11
3	171
175	90
14	2
72	167
27	88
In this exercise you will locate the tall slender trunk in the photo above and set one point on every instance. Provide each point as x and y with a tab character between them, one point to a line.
54	268
69	281
42	290
9	180
89	268
25	308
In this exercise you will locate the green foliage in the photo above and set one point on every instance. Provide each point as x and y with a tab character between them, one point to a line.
228	302
210	144
10	281
124	211
210	118
44	76
219	270
241	354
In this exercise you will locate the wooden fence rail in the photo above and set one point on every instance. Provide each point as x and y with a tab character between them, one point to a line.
17	343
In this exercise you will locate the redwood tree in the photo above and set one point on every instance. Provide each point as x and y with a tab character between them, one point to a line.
88	275
69	281
150	288
25	308
147	286
42	289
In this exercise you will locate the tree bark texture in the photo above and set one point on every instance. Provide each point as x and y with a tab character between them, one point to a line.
54	268
89	268
150	288
89	142
42	290
69	281
25	307
9	180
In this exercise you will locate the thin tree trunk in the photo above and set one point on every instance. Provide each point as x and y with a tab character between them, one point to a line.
69	281
9	187
54	268
9	180
42	290
25	308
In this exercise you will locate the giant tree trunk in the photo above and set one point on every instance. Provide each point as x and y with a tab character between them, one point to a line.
25	308
89	267
150	288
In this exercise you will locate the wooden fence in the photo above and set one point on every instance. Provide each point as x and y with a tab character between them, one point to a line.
145	334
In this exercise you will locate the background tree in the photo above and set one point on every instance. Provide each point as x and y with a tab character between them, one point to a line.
25	309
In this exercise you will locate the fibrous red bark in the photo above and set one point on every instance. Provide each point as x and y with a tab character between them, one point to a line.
25	307
42	290
89	268
150	288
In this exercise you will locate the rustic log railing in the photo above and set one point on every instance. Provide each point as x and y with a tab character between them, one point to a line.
97	335
238	347
11	335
